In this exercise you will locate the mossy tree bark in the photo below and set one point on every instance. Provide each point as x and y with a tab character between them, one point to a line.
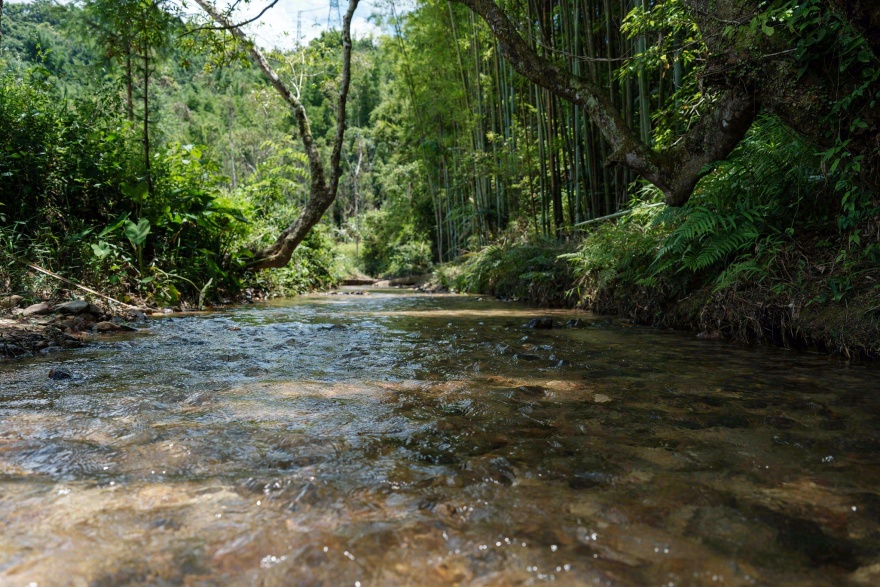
323	189
748	71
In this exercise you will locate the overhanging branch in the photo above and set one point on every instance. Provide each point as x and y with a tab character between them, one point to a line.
322	192
675	172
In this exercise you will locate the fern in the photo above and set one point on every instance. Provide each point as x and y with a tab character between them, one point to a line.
737	210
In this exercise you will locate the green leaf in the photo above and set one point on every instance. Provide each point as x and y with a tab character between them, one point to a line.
102	249
137	233
134	192
114	225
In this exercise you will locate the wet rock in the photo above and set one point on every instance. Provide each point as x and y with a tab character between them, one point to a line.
496	470
59	374
308	495
530	390
51	349
74	307
578	323
590	479
10	302
869	575
540	323
781	422
134	316
710	335
40	309
83	322
108	327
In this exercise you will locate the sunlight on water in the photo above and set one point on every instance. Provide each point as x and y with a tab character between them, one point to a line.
435	440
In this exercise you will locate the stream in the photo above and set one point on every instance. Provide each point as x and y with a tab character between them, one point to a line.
410	439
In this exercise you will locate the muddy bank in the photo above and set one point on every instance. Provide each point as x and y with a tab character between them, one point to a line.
750	314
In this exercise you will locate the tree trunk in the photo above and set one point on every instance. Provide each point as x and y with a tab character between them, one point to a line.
146	130
746	72
129	83
322	192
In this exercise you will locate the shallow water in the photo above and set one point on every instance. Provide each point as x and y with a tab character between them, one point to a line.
433	440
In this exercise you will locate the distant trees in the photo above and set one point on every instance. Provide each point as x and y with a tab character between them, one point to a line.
134	34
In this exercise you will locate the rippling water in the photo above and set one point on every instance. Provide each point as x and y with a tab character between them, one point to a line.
433	440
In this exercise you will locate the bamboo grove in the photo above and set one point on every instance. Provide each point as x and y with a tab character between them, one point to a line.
513	151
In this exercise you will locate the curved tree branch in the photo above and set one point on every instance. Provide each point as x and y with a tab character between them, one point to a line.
675	172
236	25
322	192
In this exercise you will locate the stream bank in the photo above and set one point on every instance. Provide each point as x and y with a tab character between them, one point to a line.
780	299
46	326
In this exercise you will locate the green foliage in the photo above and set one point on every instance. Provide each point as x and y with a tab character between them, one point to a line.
519	267
619	251
392	248
316	265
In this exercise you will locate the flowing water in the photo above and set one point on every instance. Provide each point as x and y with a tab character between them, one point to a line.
434	440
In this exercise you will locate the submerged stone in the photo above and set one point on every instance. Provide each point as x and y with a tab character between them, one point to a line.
59	374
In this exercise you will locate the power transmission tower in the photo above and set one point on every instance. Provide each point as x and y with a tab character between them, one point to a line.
334	7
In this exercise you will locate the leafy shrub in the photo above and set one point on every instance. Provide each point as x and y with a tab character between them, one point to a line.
520	267
316	265
393	250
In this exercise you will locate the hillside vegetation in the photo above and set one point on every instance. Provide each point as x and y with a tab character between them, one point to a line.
144	155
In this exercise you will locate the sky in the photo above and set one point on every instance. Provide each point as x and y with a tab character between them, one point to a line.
278	27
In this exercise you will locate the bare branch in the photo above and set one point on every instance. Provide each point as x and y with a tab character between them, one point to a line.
231	26
321	193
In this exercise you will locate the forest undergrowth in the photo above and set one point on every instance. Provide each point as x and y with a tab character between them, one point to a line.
764	252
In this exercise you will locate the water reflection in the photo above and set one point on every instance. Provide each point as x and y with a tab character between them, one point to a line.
433	440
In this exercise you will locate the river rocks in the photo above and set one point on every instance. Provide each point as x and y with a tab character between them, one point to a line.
135	315
868	575
59	374
44	325
107	327
73	307
41	309
540	323
10	302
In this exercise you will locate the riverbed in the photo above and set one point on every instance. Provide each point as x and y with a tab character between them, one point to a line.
411	439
